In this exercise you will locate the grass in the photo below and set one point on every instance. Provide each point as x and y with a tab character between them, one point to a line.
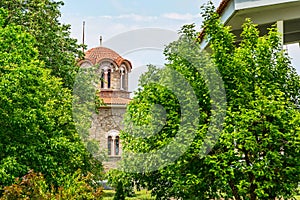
139	195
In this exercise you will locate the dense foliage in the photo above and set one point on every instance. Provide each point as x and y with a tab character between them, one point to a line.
257	152
36	126
34	186
157	114
55	48
257	156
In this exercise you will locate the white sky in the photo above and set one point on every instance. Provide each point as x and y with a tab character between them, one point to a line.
114	18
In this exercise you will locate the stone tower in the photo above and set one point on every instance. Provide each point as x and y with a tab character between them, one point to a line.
113	69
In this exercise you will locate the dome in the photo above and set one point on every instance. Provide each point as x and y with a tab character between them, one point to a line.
97	54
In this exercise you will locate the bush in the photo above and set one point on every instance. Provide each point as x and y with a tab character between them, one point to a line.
34	186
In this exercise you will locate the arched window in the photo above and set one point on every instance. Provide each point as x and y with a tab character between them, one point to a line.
102	78
105	78
85	64
122	79
117	145
113	143
108	78
109	145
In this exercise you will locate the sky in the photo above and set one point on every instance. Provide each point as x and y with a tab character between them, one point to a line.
111	17
137	29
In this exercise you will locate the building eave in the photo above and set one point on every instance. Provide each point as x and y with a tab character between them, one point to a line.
262	12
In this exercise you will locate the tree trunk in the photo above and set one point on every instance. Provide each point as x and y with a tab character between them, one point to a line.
234	190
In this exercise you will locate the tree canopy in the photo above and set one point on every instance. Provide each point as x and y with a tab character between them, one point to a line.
36	127
257	149
56	48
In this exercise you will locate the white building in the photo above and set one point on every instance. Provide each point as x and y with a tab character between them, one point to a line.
265	13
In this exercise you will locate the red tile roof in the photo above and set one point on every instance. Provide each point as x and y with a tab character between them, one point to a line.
95	55
222	6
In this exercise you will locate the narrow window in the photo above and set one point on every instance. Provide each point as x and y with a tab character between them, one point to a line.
108	78
102	78
109	144
117	144
122	80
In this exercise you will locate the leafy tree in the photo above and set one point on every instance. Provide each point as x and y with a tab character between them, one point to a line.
36	126
156	115
259	146
40	18
256	155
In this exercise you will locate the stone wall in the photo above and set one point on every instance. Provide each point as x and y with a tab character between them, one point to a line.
108	119
116	80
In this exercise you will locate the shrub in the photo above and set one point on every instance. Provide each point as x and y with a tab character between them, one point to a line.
34	186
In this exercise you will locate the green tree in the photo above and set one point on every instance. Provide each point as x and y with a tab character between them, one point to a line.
256	155
36	126
156	116
56	49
